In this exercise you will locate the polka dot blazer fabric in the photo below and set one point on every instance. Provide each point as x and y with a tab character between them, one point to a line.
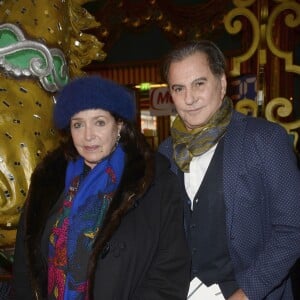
262	199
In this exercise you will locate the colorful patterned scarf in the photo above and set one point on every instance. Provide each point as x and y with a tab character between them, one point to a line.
187	144
86	202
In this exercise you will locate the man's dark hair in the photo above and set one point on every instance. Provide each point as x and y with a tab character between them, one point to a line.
215	57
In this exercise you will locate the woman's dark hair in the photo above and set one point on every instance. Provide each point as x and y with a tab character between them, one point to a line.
132	140
141	167
215	57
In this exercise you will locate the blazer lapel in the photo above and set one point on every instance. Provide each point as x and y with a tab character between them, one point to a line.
233	164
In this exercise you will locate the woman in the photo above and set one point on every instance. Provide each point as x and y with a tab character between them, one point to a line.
102	220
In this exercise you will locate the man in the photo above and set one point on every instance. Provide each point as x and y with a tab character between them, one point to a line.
240	183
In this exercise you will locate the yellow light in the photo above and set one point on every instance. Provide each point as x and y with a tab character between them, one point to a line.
146	86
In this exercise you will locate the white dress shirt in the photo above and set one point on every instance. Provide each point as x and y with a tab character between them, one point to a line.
192	181
198	168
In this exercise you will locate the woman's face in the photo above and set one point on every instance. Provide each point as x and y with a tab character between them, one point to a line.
94	133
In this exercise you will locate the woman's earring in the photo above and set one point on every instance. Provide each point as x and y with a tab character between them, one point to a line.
118	138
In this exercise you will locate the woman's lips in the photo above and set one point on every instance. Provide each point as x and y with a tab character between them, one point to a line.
91	148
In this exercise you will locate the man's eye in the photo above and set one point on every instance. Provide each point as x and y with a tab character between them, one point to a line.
177	89
198	83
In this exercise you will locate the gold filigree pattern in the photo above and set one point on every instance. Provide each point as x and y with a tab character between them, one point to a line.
281	108
265	38
83	47
291	20
247	107
263	25
234	26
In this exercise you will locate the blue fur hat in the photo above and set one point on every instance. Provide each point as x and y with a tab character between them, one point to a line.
92	92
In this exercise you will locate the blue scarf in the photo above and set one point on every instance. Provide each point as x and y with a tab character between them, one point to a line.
86	202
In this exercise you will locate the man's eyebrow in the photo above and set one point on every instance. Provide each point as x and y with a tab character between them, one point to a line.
194	81
200	79
176	85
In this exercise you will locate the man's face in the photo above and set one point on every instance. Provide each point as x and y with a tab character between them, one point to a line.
197	93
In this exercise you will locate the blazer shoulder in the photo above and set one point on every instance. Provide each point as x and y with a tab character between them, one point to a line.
254	125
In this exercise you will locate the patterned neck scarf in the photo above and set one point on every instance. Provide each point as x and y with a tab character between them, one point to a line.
85	205
187	144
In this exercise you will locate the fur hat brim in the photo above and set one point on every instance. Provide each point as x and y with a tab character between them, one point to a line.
92	92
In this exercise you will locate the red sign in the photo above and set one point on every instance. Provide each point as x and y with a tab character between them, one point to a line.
161	103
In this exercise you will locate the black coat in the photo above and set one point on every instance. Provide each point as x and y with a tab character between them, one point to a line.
140	253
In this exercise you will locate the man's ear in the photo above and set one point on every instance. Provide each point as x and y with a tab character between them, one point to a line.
223	85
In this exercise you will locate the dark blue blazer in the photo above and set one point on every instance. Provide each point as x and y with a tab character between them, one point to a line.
261	184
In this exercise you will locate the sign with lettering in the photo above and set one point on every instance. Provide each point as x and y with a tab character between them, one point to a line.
161	103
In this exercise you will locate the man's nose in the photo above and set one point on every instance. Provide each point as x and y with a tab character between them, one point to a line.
190	97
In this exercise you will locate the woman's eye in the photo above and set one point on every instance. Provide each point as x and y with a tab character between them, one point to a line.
77	125
100	123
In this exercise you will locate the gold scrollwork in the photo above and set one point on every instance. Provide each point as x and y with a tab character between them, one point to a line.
291	20
247	107
234	26
282	107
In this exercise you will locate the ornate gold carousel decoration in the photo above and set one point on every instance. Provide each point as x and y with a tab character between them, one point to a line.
42	46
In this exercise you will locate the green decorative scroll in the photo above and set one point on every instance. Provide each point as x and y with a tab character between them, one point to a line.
22	57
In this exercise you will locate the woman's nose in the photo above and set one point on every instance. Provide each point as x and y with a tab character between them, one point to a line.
89	133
